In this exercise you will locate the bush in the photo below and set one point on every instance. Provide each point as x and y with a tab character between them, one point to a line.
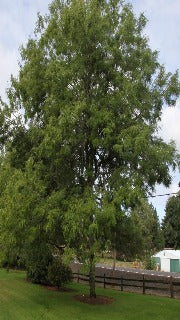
38	273
38	258
59	274
13	263
150	264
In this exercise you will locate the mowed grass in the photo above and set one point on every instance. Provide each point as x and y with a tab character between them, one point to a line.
21	300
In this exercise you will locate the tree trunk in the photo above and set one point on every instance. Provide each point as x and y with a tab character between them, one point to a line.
92	277
114	259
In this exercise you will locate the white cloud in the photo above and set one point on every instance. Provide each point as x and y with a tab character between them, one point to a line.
170	124
18	19
8	66
163	28
170	130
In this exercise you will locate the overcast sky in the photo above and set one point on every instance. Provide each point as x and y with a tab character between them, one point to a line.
18	19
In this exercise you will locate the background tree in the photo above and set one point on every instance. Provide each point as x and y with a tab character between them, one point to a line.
27	234
171	222
137	234
126	240
146	219
92	92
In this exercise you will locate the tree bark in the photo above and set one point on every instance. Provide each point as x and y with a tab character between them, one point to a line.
92	277
114	260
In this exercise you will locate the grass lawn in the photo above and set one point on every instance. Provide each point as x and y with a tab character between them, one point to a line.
22	300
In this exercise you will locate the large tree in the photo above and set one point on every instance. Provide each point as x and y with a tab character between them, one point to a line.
171	222
92	93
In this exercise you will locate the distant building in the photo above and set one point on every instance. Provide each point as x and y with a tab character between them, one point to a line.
168	260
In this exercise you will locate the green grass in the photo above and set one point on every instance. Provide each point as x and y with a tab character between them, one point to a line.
22	300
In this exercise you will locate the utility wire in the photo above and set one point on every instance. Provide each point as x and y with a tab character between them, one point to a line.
162	195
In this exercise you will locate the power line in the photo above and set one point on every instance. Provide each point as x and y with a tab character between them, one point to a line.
162	195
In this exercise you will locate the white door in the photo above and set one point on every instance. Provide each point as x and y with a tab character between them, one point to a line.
165	264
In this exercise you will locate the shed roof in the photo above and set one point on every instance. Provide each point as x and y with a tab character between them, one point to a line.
170	254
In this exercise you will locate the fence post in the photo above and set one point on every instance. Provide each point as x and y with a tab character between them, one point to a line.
144	288
104	280
171	287
121	283
78	277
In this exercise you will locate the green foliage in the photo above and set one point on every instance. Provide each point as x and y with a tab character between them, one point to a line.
12	262
38	259
150	263
171	222
81	228
145	218
59	274
126	238
30	223
21	198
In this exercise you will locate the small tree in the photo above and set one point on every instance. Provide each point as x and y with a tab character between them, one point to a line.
150	263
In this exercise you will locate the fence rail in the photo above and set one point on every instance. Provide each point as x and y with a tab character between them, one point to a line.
143	283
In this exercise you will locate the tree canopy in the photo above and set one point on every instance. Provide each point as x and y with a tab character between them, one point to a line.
171	222
89	96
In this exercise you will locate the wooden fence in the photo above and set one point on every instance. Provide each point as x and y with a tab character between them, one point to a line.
144	284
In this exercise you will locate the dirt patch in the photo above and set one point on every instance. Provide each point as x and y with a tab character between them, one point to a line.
59	289
98	300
